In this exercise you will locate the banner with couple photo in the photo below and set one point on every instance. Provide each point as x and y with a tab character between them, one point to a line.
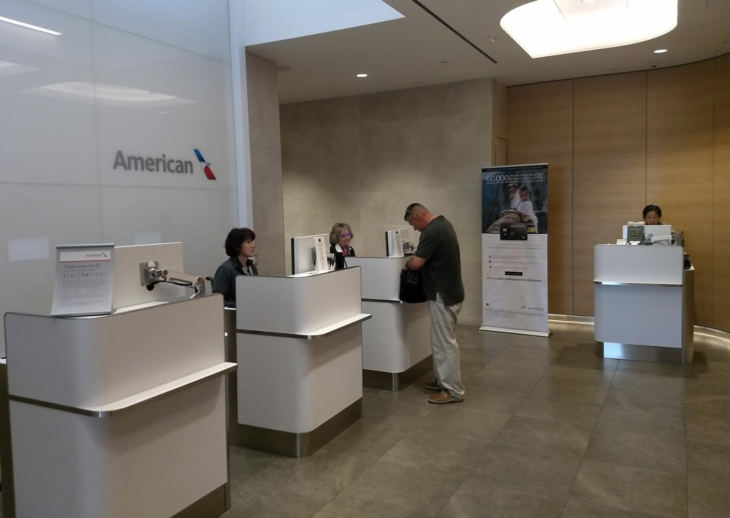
514	249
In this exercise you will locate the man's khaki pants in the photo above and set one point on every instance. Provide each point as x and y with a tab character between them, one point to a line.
445	350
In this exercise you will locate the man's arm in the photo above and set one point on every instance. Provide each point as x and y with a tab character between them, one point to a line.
415	263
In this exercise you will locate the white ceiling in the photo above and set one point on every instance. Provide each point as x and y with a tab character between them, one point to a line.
409	52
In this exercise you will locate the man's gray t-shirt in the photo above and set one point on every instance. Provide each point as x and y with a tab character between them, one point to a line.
441	274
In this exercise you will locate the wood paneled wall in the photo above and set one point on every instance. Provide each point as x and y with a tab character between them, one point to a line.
617	143
540	129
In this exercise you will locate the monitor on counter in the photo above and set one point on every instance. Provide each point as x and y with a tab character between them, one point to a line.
656	232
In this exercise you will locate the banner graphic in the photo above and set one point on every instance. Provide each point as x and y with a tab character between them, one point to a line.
514	249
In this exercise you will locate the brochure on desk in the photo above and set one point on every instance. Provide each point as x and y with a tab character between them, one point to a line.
514	249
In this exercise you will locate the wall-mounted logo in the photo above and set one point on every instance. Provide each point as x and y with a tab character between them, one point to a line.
204	165
161	165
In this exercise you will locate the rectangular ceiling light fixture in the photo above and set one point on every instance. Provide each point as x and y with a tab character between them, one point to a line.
29	26
552	27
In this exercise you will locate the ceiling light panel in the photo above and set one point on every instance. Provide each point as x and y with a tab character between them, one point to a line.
552	27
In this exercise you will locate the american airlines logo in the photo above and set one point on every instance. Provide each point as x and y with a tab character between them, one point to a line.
162	164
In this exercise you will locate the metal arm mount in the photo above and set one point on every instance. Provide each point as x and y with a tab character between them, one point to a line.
151	274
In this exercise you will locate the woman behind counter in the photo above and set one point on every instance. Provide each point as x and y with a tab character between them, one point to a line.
240	249
340	238
652	215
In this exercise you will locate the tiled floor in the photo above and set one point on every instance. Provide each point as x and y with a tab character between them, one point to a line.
546	430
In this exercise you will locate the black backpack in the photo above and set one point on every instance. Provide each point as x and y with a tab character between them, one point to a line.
411	287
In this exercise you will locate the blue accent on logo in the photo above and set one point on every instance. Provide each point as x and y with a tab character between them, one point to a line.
200	157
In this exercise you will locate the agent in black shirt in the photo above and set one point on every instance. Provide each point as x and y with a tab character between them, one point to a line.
340	239
240	249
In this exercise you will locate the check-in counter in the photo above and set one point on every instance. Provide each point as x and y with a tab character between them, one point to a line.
299	349
120	415
397	341
644	303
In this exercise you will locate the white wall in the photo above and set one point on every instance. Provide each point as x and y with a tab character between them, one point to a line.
145	78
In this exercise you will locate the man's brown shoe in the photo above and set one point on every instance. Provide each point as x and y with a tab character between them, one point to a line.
443	398
433	385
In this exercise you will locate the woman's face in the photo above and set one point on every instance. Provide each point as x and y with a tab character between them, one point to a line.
345	238
651	218
248	248
523	194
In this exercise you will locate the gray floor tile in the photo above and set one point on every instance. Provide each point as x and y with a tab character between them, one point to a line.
707	428
577	509
363	439
571	390
533	469
340	511
638	450
439	452
490	399
460	421
709	458
559	410
598	374
391	491
709	491
256	500
569	436
622	413
321	476
508	374
631	489
477	498
245	464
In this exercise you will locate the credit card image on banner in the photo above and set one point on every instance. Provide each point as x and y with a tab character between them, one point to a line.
512	232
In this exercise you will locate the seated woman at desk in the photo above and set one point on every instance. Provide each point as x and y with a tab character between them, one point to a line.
240	249
652	215
340	238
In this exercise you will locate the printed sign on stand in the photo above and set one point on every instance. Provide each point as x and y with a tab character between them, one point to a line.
394	243
320	253
84	280
514	249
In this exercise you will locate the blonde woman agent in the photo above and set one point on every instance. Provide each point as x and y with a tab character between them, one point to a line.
340	239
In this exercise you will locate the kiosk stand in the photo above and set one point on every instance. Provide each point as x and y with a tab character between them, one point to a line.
300	351
644	303
397	342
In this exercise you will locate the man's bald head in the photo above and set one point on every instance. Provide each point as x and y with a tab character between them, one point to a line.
418	216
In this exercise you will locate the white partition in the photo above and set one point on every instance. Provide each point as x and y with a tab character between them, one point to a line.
137	396
298	304
299	347
397	341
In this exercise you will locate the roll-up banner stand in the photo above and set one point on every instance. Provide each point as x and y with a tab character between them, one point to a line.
514	249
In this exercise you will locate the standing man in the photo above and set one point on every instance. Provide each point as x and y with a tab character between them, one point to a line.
439	260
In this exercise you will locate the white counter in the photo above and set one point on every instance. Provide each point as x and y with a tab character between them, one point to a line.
138	397
299	348
644	303
397	341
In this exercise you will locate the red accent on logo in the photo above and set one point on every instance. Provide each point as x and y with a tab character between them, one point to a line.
209	173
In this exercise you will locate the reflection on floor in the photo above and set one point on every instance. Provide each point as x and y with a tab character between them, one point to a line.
547	430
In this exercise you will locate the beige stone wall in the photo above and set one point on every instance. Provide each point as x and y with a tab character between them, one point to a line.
363	159
266	174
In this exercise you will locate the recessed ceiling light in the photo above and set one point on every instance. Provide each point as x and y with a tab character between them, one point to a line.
28	26
552	27
660	51
362	75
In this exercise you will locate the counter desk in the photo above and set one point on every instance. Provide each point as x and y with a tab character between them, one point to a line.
396	343
644	303
299	348
119	415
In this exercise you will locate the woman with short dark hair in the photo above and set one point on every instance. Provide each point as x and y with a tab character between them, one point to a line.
340	239
240	249
652	215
